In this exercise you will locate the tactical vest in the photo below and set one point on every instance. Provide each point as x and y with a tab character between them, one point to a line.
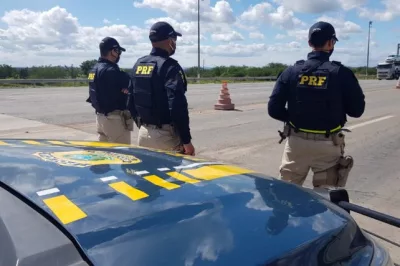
150	97
316	105
100	97
95	95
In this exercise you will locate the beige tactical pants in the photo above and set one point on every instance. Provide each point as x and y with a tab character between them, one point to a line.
164	138
111	128
307	151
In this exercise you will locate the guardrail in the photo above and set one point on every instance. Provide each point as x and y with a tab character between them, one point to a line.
38	81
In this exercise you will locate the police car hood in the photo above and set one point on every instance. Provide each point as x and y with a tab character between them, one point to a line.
134	206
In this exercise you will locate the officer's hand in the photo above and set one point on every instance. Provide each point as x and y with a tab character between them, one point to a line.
189	149
125	91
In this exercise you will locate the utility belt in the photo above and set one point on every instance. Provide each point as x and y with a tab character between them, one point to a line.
152	124
125	115
336	136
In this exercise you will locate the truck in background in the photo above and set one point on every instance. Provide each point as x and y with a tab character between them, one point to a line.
388	70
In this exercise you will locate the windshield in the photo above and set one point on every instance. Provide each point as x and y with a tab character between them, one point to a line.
388	66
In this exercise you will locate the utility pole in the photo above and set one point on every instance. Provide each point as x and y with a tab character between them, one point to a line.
198	38
369	33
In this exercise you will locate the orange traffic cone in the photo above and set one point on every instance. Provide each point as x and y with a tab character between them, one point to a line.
224	101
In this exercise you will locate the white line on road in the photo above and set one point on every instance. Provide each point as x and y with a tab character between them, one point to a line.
370	122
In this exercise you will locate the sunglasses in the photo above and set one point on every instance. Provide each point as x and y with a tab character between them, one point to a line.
118	51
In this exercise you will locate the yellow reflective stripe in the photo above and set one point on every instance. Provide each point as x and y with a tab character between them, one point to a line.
3	143
317	131
32	142
182	178
56	142
216	171
129	191
161	182
188	157
97	144
64	209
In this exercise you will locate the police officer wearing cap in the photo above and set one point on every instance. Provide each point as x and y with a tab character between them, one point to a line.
108	94
159	87
319	94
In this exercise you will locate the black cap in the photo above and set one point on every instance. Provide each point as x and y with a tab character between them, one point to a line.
161	31
109	43
322	31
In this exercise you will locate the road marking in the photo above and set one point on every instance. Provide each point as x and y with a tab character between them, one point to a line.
108	178
4	143
216	171
370	122
64	209
48	191
163	169
161	182
183	178
129	191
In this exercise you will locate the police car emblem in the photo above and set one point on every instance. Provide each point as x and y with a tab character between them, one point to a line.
87	158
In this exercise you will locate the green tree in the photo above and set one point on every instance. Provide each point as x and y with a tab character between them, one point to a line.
6	71
23	73
87	65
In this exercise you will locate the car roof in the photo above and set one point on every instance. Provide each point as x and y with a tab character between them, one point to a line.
111	198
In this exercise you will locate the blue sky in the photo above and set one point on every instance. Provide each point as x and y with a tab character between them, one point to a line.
250	32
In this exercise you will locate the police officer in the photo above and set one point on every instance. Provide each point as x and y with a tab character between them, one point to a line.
159	87
319	93
108	89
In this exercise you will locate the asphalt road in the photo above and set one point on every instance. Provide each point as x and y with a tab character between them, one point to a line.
248	136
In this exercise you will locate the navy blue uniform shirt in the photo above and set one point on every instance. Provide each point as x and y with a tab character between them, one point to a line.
109	82
175	87
353	96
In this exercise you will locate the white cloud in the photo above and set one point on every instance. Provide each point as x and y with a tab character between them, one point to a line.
56	29
187	10
280	36
227	36
391	11
35	30
310	6
320	6
256	35
344	29
106	21
266	13
351	4
285	47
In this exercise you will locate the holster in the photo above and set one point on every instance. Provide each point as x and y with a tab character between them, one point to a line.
335	176
344	167
338	139
127	120
138	121
285	133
